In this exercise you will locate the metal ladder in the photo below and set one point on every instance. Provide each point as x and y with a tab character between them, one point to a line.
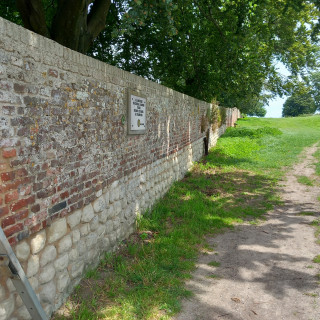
10	265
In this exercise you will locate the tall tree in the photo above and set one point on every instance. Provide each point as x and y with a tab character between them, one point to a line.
300	102
315	87
223	49
72	23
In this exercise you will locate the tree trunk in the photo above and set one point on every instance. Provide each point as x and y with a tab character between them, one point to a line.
33	16
72	25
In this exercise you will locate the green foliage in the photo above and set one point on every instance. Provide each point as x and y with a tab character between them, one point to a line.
306	213
305	180
301	102
316	259
252	132
315	87
207	49
214	264
298	105
9	11
223	116
317	156
254	106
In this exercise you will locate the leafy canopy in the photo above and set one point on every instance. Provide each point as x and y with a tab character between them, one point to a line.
213	49
300	102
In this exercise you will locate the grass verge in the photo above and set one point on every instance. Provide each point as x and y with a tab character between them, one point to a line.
317	156
305	180
235	183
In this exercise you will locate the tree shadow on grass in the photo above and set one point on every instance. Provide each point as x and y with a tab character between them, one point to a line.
145	278
218	157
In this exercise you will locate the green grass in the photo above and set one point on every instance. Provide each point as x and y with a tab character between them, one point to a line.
305	180
214	264
214	276
317	156
316	223
316	259
236	182
306	213
311	294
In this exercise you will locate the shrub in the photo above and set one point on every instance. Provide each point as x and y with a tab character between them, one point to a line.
252	133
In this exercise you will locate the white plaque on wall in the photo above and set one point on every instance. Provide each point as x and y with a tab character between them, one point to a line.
137	109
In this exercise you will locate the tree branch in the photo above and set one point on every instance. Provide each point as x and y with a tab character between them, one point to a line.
33	16
209	15
97	18
69	22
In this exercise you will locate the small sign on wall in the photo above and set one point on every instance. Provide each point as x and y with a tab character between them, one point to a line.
137	109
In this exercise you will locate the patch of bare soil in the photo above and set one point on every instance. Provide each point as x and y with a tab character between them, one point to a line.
264	272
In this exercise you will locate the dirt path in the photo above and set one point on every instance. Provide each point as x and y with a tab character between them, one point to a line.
266	271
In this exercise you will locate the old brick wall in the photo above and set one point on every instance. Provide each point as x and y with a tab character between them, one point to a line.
72	180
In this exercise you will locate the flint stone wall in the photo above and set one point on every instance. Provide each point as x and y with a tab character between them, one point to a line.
72	180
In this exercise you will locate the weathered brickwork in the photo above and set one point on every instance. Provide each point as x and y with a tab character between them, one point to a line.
72	180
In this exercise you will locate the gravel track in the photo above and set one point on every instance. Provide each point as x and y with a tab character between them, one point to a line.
266	270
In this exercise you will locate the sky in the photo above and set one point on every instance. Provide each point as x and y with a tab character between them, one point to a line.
274	109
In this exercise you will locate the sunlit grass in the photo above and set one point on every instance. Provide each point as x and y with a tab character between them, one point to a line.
214	264
305	180
317	156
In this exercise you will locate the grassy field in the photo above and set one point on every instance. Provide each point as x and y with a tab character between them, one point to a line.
235	183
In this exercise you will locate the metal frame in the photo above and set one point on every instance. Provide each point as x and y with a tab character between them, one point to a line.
9	261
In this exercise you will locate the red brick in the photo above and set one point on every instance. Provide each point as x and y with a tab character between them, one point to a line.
41	175
12	230
25	190
55	199
13	241
45	166
46	193
11	196
36	228
21	215
4	211
18	205
98	187
16	163
35	219
14	185
64	195
35	208
21	173
37	186
7	176
8	221
9	153
63	213
22	203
